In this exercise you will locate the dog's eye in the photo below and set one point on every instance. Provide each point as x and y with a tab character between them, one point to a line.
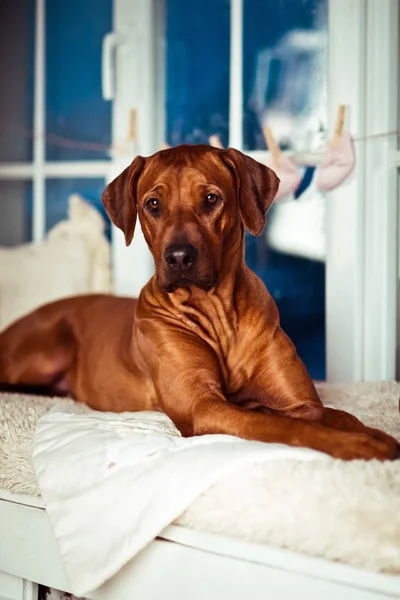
211	200
153	205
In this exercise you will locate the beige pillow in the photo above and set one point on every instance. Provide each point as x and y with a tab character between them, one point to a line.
73	259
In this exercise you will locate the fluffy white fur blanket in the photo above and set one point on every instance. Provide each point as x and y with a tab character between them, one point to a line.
340	511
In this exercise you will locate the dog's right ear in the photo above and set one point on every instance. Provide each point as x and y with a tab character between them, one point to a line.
256	187
119	198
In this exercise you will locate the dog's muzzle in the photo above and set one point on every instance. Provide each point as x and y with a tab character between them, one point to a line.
180	258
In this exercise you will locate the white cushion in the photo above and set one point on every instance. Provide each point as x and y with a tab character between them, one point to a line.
73	259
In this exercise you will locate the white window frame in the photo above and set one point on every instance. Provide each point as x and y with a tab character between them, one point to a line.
362	219
39	169
138	88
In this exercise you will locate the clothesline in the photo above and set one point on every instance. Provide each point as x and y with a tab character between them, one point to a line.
61	141
373	136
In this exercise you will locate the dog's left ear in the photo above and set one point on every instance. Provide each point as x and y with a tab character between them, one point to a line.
119	198
256	187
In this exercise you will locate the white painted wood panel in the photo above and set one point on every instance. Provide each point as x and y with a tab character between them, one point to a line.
187	565
11	587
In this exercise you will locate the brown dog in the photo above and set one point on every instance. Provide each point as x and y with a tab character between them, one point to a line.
203	342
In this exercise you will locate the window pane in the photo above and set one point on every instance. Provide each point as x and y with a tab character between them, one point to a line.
59	190
285	72
15	212
298	287
285	88
16	76
78	119
197	70
289	258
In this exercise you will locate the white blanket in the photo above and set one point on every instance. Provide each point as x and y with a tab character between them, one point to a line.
111	483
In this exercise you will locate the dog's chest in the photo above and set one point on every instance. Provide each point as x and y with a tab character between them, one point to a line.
231	337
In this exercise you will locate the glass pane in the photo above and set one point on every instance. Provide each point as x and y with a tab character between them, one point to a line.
59	190
78	119
285	72
197	70
16	76
289	257
15	212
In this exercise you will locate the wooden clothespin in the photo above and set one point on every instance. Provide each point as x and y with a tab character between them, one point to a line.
339	125
132	124
215	141
272	146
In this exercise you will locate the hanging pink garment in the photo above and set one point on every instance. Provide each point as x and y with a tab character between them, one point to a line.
288	173
337	164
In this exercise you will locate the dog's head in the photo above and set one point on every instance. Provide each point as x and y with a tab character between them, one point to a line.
191	202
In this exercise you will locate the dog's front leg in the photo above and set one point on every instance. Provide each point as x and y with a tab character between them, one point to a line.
278	378
187	379
281	382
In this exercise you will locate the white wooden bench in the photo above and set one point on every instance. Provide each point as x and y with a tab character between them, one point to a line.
181	564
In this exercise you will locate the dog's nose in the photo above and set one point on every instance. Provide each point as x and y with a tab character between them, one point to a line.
180	257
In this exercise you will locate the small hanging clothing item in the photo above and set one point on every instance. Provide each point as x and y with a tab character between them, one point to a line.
337	164
296	226
287	170
288	173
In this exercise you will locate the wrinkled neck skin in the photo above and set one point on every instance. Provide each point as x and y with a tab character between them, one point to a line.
213	315
218	306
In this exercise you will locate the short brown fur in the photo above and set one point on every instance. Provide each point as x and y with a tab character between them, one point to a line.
203	342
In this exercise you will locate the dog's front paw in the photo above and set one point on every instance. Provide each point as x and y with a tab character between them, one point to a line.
387	439
365	447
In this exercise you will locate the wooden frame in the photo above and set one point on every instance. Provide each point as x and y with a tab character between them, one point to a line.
362	219
181	565
362	264
362	228
381	192
40	169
